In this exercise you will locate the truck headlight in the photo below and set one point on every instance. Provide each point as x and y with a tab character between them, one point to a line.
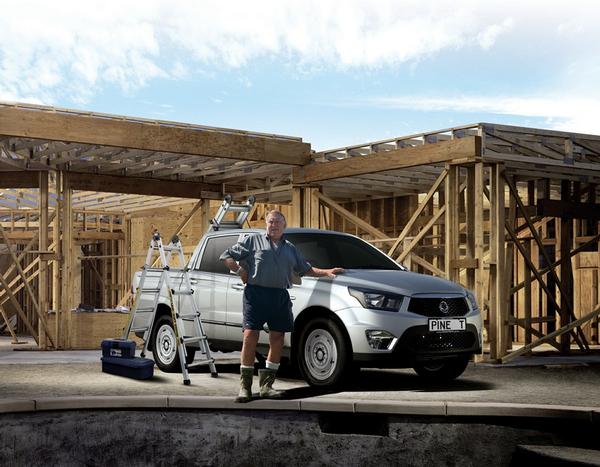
380	340
472	299
376	300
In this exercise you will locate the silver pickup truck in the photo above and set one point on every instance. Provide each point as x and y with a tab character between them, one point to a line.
375	314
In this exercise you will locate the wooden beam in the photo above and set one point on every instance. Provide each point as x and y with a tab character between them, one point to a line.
409	225
549	337
19	179
142	186
427	265
568	209
466	149
151	136
349	216
94	235
417	238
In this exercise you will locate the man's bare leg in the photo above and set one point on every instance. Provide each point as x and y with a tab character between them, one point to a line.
249	347
275	346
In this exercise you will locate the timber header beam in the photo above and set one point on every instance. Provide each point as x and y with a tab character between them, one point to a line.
465	150
143	186
51	125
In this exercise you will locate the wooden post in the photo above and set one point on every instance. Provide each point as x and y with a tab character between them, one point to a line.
478	184
311	207
43	246
470	224
297	208
566	271
57	298
451	222
68	263
497	316
508	271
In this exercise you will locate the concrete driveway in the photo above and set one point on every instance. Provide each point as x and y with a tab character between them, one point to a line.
530	380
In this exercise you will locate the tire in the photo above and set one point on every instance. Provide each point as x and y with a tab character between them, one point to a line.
164	346
440	371
322	354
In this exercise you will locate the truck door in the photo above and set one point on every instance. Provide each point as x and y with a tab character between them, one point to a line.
210	280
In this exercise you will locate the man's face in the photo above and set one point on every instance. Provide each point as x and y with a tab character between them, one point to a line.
275	226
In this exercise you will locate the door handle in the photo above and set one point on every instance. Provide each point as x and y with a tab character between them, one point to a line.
238	286
292	297
193	281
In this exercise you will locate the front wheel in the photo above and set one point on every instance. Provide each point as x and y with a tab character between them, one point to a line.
164	346
439	371
322	354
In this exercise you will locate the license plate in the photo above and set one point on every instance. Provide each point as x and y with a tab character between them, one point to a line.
447	324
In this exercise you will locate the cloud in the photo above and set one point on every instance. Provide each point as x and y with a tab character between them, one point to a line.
560	112
70	49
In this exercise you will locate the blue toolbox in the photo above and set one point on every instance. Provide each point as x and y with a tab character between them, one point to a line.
136	368
118	348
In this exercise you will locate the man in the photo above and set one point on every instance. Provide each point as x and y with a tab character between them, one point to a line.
265	263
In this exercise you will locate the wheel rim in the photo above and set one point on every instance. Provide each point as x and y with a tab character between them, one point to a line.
320	354
165	344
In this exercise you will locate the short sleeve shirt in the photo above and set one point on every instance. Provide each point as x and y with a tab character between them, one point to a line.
267	265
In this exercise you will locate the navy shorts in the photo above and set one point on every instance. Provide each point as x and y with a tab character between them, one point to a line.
267	305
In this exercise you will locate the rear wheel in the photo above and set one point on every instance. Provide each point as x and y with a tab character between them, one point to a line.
164	346
439	371
322	355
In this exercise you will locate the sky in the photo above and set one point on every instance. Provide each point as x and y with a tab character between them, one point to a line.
336	73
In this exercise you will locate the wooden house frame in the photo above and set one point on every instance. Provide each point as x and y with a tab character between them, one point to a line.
506	211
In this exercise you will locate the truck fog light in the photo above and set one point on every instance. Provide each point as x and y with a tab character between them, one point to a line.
380	340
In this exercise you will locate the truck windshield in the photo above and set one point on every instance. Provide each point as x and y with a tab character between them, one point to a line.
329	250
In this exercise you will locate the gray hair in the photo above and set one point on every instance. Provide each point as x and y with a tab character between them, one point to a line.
275	212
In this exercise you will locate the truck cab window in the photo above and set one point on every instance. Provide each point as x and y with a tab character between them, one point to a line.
214	248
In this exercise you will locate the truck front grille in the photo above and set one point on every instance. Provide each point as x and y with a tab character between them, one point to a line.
438	307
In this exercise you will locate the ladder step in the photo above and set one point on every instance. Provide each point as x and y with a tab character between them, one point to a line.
201	363
150	290
172	248
183	292
149	269
188	317
187	340
144	310
228	223
178	270
239	208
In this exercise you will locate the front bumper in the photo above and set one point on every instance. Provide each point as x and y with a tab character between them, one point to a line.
418	344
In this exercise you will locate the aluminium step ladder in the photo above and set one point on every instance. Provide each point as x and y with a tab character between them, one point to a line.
183	309
243	210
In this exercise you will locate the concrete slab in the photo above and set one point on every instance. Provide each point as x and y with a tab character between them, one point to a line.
101	402
327	405
556	455
16	405
486	409
402	407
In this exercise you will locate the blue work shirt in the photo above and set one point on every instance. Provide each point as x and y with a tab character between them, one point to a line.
267	265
